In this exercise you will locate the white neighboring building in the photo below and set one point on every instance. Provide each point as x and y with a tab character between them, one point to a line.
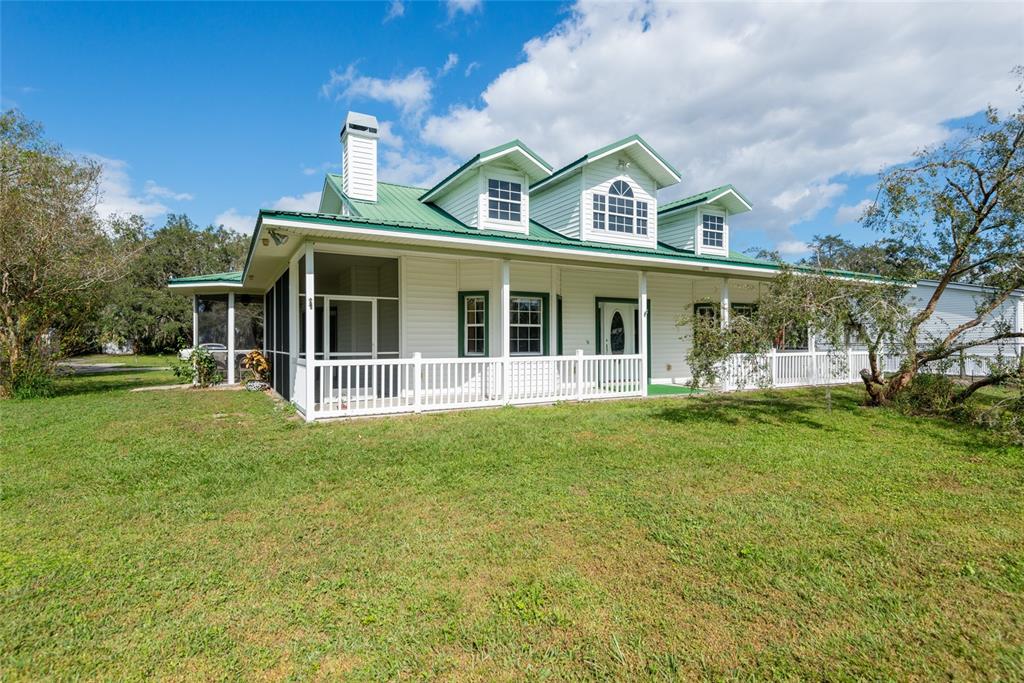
957	305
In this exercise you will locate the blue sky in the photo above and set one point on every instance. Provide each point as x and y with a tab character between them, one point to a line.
216	110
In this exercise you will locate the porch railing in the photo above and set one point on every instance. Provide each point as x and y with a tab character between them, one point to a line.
791	369
369	387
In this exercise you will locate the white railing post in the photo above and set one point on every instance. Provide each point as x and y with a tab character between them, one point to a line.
417	388
231	337
771	366
849	364
579	374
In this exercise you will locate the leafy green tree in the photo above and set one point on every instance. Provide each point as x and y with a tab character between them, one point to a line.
56	256
954	214
141	309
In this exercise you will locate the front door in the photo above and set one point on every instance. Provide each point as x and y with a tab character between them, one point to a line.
618	328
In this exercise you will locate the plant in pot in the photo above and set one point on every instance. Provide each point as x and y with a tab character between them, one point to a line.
258	368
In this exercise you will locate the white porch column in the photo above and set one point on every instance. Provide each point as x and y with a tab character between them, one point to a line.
195	320
506	305
310	304
553	313
231	337
724	313
293	324
642	315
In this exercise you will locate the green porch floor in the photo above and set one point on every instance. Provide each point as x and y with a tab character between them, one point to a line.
669	390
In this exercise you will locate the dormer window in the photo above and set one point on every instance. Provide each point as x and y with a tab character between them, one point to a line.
504	200
619	211
713	231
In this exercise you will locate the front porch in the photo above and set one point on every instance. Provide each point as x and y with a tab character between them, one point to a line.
353	330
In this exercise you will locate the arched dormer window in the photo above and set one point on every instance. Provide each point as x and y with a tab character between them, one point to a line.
618	211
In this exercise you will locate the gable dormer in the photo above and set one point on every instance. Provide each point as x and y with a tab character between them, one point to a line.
491	191
608	195
700	222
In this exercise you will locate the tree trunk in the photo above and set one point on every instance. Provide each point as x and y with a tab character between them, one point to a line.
875	389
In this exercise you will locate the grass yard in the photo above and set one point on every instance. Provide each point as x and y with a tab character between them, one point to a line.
208	534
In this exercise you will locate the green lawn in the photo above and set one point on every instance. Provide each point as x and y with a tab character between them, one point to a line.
209	534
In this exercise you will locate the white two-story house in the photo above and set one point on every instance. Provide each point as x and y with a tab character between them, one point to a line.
507	282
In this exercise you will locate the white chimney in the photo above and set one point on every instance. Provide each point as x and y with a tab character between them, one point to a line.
359	156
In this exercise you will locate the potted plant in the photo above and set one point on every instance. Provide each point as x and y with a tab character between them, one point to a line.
258	368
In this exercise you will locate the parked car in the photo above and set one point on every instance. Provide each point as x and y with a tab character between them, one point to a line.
185	354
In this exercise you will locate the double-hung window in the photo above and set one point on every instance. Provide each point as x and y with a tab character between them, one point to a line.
473	323
641	218
600	207
713	231
504	200
526	325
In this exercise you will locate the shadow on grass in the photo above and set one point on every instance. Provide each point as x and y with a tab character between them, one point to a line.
115	380
775	408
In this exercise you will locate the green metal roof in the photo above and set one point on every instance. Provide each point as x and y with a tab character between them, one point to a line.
568	168
398	204
700	198
232	277
538	235
511	144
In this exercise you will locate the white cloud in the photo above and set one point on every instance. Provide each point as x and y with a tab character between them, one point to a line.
792	248
410	93
303	202
320	168
409	167
396	9
388	136
470	68
851	213
782	100
449	64
151	189
118	196
463	6
232	220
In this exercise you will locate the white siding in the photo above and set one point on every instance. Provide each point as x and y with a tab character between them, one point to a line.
671	298
530	277
679	229
482	275
580	289
430	307
598	177
359	167
462	201
957	306
558	207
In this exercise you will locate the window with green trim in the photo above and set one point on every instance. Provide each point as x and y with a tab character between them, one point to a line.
472	323
526	326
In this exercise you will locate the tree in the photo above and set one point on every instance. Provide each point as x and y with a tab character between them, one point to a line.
55	253
953	214
962	204
141	309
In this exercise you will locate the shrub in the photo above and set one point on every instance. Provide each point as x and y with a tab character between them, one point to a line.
200	368
928	394
32	379
257	365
